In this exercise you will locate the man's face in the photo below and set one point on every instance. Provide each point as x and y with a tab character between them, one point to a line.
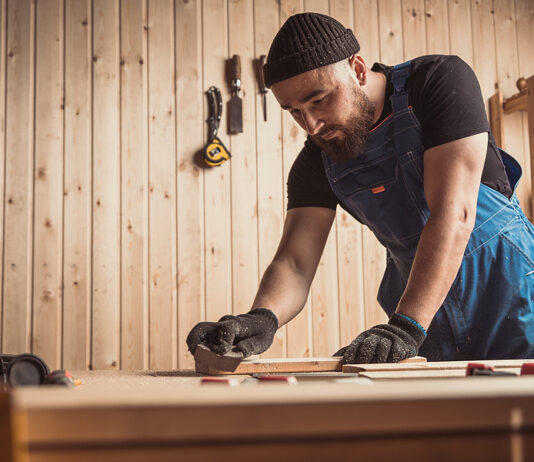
330	105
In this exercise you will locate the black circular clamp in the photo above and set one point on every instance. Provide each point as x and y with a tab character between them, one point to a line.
24	370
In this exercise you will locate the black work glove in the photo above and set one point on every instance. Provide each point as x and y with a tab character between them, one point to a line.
399	339
251	333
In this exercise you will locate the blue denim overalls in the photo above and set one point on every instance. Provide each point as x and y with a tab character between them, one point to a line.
489	310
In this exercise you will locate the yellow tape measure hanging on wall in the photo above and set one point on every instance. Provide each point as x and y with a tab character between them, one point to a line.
215	152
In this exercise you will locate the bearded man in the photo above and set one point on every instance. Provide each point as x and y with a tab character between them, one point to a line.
407	151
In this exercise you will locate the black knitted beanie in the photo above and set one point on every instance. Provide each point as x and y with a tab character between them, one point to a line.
307	41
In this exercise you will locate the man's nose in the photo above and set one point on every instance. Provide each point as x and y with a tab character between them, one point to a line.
312	124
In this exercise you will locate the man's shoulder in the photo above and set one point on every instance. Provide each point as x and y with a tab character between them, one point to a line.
424	66
428	65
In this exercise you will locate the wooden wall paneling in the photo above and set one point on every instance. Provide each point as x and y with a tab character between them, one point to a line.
414	28
77	187
17	295
390	31
299	330
507	75
343	11
324	293
190	178
349	237
524	19
217	195
3	30
106	189
99	165
271	184
460	31
437	27
134	198
243	164
162	185
484	61
366	29
48	178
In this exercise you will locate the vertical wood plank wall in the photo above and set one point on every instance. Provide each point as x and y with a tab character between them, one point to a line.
114	241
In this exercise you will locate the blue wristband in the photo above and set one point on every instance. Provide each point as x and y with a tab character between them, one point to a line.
412	321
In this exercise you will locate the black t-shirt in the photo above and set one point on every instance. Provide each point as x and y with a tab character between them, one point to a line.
446	98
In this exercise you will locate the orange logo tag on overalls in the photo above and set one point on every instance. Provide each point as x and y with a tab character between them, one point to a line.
378	189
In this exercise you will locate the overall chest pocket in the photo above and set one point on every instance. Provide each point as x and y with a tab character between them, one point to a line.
368	176
379	193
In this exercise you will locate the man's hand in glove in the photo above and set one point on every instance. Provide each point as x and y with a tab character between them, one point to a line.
399	339
251	333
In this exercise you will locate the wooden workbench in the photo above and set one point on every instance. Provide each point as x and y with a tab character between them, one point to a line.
169	416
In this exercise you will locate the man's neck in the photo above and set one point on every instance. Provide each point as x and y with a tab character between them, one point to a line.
376	91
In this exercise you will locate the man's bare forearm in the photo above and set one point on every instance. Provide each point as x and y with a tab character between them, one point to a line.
438	258
283	290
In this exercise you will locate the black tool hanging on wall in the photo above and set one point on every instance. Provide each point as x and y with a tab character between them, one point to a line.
263	88
215	152
236	103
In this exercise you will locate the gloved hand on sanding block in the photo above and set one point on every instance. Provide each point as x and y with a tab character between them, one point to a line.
401	338
251	333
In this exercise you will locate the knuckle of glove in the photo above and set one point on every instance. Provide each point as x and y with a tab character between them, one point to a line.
400	351
253	346
198	334
395	334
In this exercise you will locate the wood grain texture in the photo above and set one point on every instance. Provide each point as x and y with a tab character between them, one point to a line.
463	448
134	172
18	183
217	181
367	29
431	366
280	366
162	186
48	190
3	54
437	30
496	117
420	374
390	31
77	198
190	177
176	415
414	28
106	186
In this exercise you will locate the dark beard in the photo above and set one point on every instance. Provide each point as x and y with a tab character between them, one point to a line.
353	140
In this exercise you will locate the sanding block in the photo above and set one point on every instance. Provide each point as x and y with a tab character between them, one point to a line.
206	360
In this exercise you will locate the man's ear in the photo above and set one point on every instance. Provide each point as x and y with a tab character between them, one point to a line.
357	64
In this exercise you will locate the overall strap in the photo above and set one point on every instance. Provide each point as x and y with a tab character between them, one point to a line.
399	76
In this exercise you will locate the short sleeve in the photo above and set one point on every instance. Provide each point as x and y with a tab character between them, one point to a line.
307	184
